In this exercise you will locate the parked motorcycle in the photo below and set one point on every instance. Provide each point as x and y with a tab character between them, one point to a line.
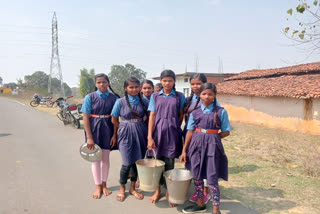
69	113
38	100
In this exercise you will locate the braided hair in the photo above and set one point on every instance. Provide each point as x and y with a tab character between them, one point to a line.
125	85
200	77
212	87
144	108
107	78
169	73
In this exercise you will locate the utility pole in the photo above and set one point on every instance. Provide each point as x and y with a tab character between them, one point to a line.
55	66
196	63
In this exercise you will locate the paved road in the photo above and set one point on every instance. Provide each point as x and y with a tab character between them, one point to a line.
42	171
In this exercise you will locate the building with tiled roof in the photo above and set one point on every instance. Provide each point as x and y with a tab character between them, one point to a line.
183	83
288	92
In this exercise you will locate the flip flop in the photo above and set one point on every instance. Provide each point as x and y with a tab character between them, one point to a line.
137	195
121	197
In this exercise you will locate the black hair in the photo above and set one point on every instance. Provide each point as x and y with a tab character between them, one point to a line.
107	78
213	87
125	85
159	85
145	81
203	79
168	73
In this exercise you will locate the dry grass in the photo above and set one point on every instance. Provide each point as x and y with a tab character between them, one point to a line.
273	171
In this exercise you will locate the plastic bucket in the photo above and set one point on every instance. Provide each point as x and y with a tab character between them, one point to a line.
178	183
149	171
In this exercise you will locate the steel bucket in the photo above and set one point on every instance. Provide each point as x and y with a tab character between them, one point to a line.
178	183
149	171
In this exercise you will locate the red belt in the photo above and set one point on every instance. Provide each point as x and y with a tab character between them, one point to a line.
100	116
208	131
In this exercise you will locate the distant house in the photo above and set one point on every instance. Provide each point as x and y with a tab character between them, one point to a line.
183	84
287	97
5	90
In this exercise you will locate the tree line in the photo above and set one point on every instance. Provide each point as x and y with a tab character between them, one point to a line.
117	76
38	81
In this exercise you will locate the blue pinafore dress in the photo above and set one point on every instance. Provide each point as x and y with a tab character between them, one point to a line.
206	158
102	128
132	136
167	132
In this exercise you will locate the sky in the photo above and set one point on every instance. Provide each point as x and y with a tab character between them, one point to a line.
150	34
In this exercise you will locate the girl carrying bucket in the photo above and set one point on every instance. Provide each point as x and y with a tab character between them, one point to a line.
164	131
132	134
99	130
203	151
196	81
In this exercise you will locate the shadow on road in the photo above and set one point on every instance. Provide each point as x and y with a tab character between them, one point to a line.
262	200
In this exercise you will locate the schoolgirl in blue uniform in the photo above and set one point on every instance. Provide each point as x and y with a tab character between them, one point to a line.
96	109
147	88
203	151
132	134
164	131
196	81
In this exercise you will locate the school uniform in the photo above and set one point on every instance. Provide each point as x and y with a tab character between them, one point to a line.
167	133
193	101
132	134
205	156
98	103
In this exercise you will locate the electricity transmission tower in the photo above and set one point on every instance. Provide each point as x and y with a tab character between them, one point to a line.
55	66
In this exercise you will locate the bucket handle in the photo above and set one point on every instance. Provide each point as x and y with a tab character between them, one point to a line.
154	154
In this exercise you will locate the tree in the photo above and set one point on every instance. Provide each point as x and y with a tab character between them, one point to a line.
119	74
11	85
38	81
1	81
86	82
306	30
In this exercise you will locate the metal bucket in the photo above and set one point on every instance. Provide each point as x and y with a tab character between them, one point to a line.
149	171
178	183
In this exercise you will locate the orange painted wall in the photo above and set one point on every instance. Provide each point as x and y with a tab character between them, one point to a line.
241	114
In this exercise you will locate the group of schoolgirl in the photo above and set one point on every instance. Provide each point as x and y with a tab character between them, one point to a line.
153	121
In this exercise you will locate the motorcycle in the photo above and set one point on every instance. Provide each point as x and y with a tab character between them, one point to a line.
38	100
69	113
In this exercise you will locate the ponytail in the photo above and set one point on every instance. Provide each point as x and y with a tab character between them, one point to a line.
215	117
135	114
113	91
144	107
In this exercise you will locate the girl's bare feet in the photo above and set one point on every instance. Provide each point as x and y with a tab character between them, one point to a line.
216	210
170	204
97	193
105	190
155	196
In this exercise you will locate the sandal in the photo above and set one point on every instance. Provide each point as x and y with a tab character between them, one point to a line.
121	197
137	195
